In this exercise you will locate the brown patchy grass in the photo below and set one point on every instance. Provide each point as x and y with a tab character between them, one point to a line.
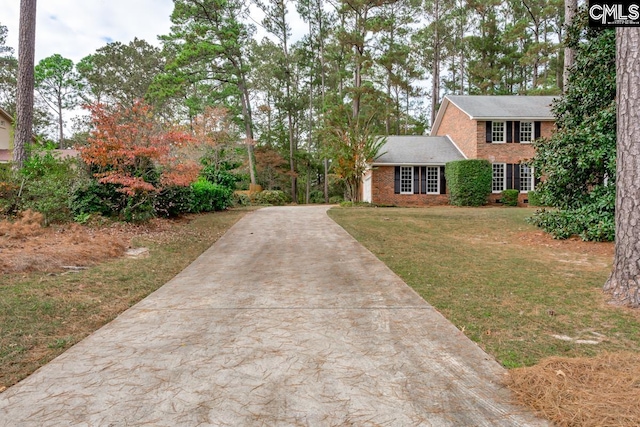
45	310
524	298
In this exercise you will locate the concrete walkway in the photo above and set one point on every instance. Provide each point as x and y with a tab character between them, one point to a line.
285	321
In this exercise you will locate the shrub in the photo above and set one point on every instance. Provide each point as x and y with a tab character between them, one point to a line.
47	184
220	177
534	198
139	208
271	197
334	200
173	201
469	182
208	197
89	196
241	199
510	197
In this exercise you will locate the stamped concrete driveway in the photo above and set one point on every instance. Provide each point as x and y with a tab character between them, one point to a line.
285	321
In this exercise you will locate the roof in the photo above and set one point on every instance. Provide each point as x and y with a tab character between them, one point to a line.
498	107
6	115
418	150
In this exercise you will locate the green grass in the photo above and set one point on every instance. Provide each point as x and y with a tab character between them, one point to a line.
41	315
501	281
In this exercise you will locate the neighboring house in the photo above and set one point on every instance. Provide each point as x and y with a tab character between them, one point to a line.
499	129
6	136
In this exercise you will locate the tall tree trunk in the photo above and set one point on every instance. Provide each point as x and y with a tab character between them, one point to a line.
24	101
624	282
435	66
248	125
570	9
60	124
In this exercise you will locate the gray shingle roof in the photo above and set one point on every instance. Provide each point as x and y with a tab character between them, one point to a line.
485	107
418	150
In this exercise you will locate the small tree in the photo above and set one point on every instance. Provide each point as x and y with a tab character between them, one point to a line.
351	145
129	149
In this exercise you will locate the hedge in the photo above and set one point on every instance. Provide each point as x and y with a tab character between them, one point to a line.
469	182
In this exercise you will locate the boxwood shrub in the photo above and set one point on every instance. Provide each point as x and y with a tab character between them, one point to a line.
469	182
510	197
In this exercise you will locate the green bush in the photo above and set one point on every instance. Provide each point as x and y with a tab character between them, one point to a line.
241	199
173	201
334	200
89	196
220	177
139	208
47	184
510	197
469	182
534	198
208	197
271	197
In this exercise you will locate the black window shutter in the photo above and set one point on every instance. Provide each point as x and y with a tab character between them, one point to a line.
489	131
423	180
416	180
509	176
516	131
537	131
509	131
443	181
396	181
516	177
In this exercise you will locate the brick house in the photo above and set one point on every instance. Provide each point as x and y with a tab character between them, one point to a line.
496	128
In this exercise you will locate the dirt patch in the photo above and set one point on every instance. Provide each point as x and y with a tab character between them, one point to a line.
574	244
599	391
27	246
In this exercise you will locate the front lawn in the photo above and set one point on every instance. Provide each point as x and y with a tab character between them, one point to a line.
519	294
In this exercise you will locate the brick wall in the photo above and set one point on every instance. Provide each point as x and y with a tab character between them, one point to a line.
461	129
507	152
382	191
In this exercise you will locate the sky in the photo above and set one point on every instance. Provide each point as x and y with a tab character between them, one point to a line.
76	28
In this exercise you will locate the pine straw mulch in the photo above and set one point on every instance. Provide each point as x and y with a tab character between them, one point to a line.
25	245
594	391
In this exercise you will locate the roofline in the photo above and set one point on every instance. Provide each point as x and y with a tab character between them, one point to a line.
520	118
457	148
4	113
408	164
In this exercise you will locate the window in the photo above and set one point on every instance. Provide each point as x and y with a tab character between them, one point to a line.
497	131
526	178
526	131
406	180
433	180
499	177
2	124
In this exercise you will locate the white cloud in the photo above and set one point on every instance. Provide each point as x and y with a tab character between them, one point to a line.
76	28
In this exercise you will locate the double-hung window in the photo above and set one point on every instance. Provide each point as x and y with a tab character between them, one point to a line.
498	132
433	180
406	180
499	177
526	132
526	178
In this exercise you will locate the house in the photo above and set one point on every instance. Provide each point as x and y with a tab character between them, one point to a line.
410	171
499	129
6	136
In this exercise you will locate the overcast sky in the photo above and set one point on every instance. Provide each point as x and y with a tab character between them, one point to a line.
76	28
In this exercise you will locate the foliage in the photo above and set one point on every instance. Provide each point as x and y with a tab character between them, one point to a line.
46	185
58	84
127	148
89	196
220	177
595	220
510	197
241	199
270	197
534	198
209	197
173	201
351	144
469	182
579	160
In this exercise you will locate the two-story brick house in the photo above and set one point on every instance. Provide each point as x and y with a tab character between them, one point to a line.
499	129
